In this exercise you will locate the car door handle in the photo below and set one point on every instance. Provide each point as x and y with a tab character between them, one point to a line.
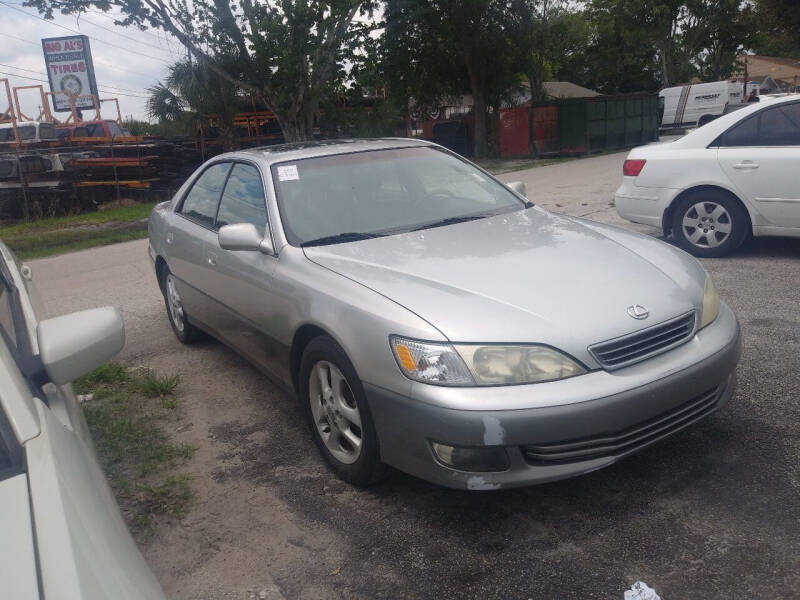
212	259
169	237
745	165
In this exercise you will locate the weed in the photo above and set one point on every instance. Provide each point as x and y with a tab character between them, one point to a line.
126	416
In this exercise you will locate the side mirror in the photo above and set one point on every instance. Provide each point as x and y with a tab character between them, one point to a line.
518	187
74	344
244	236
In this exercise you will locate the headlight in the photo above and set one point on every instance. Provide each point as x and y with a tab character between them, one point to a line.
430	362
476	364
503	365
710	303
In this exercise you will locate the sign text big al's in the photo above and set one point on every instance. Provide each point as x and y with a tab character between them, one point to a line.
70	71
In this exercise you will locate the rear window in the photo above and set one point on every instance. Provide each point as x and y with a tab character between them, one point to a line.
25	132
114	128
47	131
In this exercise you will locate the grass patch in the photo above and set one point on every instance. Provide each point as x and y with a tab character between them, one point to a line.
127	415
498	166
76	232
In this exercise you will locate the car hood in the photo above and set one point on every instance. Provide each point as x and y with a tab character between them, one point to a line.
527	276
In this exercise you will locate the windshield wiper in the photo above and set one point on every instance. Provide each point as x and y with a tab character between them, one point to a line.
339	238
451	221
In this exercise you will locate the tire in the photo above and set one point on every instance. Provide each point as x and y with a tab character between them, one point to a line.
337	413
181	327
705	119
709	223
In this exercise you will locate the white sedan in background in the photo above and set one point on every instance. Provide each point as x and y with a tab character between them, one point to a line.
737	175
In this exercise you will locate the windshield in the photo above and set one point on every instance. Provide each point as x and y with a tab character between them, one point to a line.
367	194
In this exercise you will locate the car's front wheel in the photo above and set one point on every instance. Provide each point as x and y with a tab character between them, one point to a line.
709	223
337	411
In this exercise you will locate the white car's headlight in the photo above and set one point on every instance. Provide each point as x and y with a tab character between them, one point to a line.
480	364
710	303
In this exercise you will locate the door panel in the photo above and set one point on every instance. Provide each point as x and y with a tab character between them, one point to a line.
189	231
241	281
760	155
768	178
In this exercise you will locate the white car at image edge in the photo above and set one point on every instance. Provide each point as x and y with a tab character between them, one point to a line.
737	175
62	536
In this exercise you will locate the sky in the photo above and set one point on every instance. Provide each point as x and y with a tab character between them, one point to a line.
126	60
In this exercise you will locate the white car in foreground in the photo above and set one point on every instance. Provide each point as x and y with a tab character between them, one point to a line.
62	536
737	175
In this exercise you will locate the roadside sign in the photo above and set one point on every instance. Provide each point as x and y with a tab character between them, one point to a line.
70	71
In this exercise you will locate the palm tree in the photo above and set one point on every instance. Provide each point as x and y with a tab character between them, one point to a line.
190	93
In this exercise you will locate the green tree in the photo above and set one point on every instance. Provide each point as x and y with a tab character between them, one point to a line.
285	52
778	28
439	48
191	91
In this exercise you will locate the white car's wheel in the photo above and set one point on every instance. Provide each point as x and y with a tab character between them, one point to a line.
709	223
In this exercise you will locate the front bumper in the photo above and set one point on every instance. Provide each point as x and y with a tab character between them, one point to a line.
553	442
644	205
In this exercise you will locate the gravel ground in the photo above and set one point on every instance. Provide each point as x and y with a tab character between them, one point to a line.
711	513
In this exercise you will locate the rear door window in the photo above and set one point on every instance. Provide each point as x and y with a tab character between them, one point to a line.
201	201
243	199
776	126
780	126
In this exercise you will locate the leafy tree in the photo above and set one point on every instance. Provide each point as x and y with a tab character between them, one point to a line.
285	52
190	92
778	28
716	32
438	48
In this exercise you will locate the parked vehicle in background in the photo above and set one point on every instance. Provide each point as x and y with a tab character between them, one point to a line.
104	128
715	186
697	104
28	131
63	537
430	318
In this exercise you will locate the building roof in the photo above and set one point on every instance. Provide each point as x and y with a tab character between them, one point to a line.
776	67
567	89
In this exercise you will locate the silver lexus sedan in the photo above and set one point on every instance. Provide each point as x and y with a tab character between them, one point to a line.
429	318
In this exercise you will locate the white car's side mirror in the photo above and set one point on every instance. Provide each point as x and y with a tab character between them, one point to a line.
518	187
74	344
244	236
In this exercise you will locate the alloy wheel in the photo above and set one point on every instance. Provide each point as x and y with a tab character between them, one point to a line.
335	412
707	224
174	303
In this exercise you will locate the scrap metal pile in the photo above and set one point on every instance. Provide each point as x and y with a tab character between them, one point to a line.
49	167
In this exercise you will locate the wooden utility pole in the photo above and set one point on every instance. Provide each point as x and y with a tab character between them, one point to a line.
744	84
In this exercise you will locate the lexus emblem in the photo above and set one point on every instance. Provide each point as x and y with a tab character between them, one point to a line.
637	311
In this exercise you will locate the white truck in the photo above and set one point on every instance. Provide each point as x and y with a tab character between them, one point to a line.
697	104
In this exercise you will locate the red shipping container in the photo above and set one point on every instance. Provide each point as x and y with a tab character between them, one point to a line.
514	132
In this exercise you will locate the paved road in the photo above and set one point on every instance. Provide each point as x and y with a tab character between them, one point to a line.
711	513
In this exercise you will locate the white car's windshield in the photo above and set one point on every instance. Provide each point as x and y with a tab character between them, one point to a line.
354	196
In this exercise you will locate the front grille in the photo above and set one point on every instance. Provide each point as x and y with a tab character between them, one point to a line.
632	348
627	440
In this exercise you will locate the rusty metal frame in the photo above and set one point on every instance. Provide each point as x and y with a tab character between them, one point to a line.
116	103
45	110
9	116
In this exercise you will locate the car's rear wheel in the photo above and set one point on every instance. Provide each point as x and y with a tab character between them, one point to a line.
184	331
709	223
338	414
